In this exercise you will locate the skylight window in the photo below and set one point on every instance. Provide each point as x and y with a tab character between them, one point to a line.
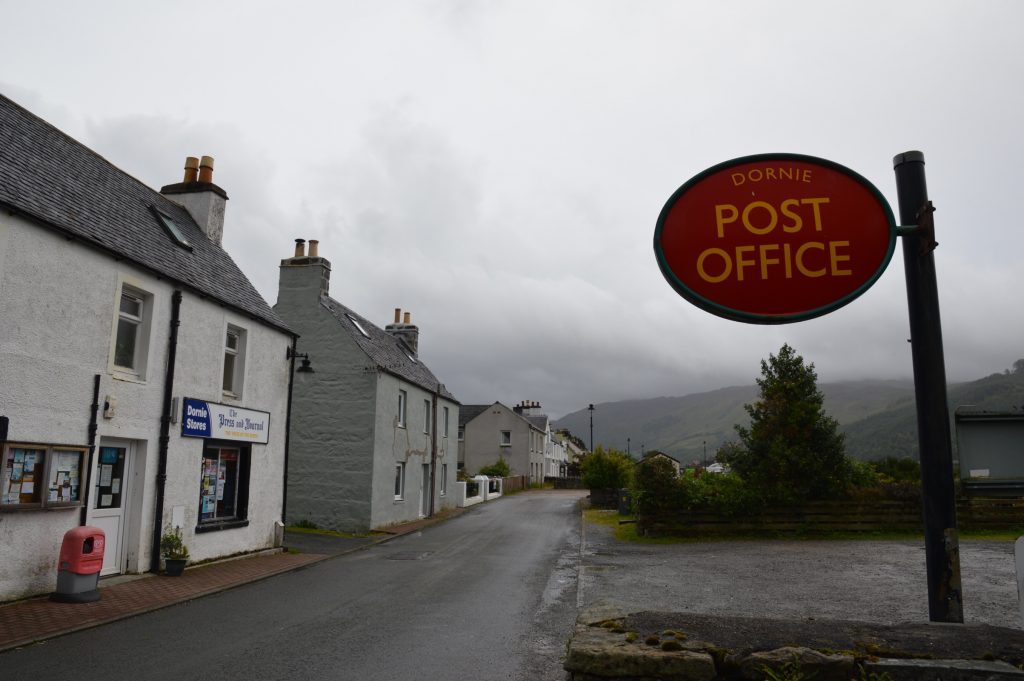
172	228
359	326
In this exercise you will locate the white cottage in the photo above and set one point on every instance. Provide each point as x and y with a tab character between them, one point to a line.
143	380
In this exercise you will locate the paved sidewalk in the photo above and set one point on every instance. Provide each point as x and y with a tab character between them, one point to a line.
37	619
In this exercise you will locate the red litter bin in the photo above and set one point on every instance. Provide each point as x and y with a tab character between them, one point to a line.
78	569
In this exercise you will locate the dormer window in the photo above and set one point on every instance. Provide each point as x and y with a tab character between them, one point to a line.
172	228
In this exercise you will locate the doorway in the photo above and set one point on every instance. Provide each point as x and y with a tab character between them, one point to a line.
111	501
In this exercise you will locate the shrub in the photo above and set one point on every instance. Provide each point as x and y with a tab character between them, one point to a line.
498	469
657	489
607	469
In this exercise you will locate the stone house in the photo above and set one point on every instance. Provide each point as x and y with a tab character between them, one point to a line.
488	432
372	428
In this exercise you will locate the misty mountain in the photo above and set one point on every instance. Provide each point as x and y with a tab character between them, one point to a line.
878	417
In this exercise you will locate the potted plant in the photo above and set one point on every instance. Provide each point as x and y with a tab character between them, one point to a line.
174	552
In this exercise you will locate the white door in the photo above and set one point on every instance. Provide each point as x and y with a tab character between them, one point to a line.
425	494
110	502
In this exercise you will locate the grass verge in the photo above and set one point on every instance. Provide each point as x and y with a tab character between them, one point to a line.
332	533
628	532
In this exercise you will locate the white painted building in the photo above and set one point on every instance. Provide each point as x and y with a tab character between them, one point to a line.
118	308
556	456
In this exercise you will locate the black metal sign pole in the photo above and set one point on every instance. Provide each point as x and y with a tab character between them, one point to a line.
941	541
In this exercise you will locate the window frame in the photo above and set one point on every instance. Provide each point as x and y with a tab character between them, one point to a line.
142	323
505	438
242	481
426	417
444	410
238	355
400	481
444	479
46	467
403	402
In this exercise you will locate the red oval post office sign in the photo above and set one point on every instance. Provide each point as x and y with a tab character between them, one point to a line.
774	238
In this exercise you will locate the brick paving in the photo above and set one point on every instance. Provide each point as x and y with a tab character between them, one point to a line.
36	619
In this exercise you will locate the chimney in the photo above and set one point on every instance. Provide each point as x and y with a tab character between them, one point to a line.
203	200
526	407
303	279
191	169
405	331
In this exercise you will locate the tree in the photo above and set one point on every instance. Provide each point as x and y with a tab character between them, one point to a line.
792	450
607	469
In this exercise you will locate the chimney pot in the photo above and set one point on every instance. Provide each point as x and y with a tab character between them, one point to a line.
313	244
408	318
191	169
206	169
398	315
300	248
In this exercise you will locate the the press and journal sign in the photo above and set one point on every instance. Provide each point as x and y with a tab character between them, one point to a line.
774	238
224	422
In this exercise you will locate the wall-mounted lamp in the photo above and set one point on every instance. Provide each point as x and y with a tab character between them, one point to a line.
305	368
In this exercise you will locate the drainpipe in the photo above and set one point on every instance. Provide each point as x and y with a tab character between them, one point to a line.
165	431
287	433
433	449
93	427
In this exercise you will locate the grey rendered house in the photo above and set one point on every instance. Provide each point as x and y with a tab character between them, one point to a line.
493	431
373	430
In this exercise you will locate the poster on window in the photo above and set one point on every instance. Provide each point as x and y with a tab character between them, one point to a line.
224	422
20	473
40	475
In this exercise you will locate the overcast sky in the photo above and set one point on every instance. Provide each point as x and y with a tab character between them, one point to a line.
497	167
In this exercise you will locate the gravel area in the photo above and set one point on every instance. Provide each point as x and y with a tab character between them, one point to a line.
868	581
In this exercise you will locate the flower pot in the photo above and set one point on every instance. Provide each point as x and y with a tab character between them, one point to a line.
173	567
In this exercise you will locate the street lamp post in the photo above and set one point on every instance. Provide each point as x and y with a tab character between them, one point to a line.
628	451
591	410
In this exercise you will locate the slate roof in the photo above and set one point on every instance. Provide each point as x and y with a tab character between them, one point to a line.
57	182
468	412
539	422
386	351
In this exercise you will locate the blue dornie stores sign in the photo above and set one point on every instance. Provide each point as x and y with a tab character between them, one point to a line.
224	422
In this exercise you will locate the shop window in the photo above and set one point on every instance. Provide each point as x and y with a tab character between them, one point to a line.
224	486
234	361
399	481
131	334
41	476
402	400
506	438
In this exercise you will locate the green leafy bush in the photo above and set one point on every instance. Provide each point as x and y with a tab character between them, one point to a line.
607	469
498	469
658	491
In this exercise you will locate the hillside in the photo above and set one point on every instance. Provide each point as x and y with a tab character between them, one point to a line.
893	432
878	417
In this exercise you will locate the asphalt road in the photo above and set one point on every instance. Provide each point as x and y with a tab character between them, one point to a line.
488	595
868	581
